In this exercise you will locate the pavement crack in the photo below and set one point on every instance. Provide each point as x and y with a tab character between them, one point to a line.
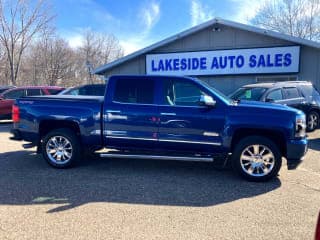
306	186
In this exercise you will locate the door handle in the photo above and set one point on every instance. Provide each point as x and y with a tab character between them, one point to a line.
167	114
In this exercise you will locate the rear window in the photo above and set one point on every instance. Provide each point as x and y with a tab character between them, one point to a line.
309	91
33	92
253	94
54	91
134	91
95	90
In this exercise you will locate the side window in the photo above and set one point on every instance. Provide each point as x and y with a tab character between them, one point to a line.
275	95
15	94
181	93
291	92
134	91
52	91
33	92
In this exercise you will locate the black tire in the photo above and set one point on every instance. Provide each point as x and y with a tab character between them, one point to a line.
61	143
312	121
265	160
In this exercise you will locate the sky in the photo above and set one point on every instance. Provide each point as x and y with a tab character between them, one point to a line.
140	23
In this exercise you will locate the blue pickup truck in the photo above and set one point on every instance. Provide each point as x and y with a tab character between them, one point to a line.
163	118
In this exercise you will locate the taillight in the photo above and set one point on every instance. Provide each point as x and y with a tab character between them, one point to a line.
15	113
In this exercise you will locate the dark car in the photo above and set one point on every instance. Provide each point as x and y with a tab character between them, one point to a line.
86	90
8	97
298	94
5	88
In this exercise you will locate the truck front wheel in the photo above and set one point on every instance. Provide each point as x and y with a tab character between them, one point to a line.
256	158
61	148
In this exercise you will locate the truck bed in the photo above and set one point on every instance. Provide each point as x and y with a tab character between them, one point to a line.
40	113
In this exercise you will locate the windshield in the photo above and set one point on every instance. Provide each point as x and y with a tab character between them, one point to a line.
252	94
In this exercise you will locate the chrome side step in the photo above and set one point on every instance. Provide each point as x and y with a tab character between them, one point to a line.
156	157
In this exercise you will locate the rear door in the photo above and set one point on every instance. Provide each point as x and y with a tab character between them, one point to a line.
130	114
293	98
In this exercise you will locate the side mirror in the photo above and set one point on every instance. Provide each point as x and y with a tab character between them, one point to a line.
207	101
269	100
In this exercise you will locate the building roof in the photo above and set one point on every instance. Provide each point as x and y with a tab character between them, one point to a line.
100	70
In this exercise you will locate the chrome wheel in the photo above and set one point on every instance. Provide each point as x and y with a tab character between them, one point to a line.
313	121
257	160
59	149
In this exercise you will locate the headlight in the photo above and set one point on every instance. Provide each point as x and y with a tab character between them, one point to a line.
300	130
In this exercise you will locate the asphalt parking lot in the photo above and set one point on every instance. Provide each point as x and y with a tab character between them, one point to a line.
135	199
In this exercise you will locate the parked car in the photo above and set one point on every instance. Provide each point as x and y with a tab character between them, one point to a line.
8	97
5	88
86	90
163	118
298	94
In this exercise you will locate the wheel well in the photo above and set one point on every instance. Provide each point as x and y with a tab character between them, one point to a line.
47	126
275	136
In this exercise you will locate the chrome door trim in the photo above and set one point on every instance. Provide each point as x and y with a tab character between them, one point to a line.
193	142
132	138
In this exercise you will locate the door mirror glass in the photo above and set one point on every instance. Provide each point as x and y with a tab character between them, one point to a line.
207	101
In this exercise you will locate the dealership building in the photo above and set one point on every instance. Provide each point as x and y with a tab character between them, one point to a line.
227	55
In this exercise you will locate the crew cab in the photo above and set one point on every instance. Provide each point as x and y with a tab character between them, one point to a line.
163	118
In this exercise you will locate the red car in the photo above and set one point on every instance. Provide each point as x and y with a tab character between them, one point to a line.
8	97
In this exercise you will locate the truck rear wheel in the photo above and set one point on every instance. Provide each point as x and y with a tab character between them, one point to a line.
61	148
256	158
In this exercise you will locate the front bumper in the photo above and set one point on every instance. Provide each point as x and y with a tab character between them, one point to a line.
296	149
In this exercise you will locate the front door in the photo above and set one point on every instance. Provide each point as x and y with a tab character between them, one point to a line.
185	126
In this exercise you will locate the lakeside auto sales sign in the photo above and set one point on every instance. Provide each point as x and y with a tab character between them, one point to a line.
226	62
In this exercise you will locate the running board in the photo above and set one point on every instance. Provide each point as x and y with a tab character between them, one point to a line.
156	157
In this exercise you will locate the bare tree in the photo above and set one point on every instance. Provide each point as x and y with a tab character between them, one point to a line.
98	49
4	70
49	60
300	18
20	21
